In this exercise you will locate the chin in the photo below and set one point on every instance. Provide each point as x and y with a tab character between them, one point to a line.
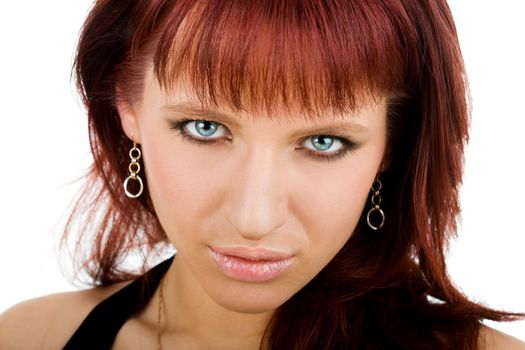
249	307
251	299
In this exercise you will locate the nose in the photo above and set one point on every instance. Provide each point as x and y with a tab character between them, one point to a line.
257	203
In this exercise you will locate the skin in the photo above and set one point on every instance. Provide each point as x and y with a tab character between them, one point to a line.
258	189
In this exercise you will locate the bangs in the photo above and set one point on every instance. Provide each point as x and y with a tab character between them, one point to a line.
262	56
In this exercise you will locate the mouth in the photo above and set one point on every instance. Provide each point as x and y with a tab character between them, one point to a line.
253	254
250	264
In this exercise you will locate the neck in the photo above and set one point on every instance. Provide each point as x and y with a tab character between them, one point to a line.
190	313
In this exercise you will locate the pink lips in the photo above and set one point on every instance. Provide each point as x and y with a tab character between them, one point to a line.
250	264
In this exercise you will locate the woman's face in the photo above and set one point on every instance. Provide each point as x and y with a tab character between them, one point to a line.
258	183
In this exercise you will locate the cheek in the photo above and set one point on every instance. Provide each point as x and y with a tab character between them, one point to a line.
180	186
330	209
330	213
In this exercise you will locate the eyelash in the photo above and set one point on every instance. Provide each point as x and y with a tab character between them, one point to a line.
348	146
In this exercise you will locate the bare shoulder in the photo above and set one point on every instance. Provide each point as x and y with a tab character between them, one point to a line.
47	322
492	339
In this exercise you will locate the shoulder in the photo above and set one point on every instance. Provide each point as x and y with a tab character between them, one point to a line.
492	339
48	322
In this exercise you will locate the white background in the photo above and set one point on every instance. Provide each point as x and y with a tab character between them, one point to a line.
44	149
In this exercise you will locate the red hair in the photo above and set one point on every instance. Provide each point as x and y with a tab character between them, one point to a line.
386	289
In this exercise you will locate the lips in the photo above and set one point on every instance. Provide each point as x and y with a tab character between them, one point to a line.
252	253
250	264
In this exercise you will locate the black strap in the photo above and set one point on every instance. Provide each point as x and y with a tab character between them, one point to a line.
101	326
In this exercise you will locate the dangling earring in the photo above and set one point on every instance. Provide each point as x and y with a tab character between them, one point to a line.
376	200
134	168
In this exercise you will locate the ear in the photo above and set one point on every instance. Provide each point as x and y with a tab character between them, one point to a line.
128	117
385	162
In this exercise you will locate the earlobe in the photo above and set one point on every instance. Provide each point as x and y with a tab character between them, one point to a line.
385	163
128	118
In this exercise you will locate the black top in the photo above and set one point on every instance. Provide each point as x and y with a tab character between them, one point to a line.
101	326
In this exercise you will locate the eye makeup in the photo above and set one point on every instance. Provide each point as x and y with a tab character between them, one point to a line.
347	146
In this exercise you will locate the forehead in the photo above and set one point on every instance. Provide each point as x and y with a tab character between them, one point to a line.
182	98
368	118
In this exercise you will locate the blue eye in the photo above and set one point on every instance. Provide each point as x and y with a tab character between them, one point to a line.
199	132
201	128
322	143
205	128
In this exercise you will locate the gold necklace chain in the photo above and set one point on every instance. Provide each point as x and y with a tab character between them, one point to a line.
159	313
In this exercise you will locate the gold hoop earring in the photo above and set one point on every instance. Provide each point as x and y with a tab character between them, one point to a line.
134	168
376	201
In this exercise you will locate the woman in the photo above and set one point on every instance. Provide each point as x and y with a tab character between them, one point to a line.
318	215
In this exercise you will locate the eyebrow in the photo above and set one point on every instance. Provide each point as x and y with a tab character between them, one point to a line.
194	109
